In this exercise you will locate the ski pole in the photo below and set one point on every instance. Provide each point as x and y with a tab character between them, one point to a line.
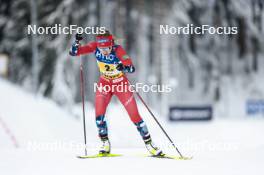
82	85
83	105
156	120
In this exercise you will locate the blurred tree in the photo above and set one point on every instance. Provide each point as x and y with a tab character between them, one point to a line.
257	12
197	63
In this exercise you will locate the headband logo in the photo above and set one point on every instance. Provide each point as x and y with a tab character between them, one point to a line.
103	40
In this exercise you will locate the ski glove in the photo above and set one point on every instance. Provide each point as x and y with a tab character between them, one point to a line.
125	69
75	46
129	69
74	49
78	37
120	66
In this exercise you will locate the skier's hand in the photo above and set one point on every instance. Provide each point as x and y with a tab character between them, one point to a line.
129	69
120	67
125	69
76	44
78	37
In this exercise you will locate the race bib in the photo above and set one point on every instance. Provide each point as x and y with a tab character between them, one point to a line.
108	69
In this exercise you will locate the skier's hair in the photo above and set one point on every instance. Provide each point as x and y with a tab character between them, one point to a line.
106	33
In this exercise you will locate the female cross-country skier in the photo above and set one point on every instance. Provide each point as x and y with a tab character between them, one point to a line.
113	63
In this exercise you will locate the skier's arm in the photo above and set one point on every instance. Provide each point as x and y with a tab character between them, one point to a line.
123	56
88	48
77	49
125	63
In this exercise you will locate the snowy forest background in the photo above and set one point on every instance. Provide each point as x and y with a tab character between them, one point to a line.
222	70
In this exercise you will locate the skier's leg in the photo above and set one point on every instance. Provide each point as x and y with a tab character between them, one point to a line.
128	100
102	100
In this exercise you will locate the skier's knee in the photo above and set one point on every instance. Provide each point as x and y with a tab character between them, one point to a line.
135	118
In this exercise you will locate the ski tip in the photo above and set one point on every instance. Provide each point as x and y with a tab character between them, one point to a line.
185	158
165	156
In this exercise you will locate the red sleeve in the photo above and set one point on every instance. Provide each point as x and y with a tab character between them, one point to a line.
122	55
88	48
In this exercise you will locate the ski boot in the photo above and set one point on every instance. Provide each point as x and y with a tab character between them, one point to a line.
143	130
105	148
153	150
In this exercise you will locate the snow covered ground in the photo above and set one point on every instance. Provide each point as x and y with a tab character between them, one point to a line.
38	137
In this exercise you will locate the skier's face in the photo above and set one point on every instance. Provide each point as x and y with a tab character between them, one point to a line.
105	50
